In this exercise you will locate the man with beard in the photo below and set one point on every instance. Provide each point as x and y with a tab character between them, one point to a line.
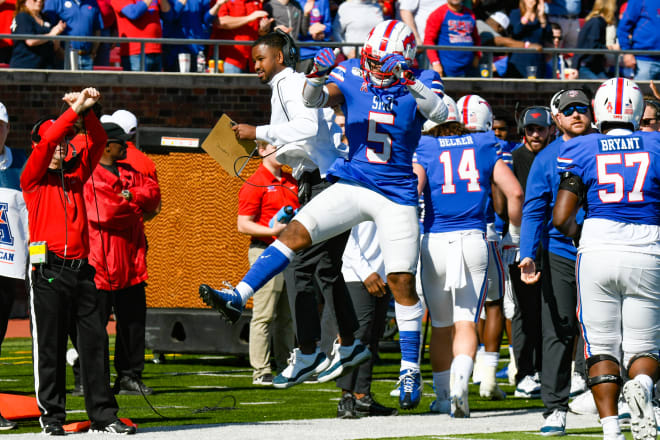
535	124
558	299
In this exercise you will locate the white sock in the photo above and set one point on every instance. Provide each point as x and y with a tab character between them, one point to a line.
646	382
490	358
611	425
461	370
441	384
245	291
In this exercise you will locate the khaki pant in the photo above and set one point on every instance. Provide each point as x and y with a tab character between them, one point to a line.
271	317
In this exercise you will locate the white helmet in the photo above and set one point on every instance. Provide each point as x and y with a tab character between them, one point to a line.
554	102
618	100
388	37
475	113
452	114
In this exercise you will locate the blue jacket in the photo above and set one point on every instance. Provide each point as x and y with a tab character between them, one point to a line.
11	177
321	14
540	196
642	20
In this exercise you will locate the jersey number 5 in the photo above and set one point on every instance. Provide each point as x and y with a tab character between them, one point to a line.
616	179
382	152
467	170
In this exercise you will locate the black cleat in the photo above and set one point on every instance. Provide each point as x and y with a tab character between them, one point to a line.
226	301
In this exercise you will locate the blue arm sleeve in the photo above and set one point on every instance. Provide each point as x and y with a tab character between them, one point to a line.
538	197
134	11
627	23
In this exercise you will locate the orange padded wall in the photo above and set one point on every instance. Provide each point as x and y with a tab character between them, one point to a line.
194	238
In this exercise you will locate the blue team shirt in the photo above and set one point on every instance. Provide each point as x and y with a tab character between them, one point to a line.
383	128
621	175
540	197
457	202
82	18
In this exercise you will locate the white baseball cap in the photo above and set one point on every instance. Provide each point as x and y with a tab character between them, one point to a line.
4	116
125	120
501	18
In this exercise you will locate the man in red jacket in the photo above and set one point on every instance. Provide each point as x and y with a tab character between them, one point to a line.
116	198
62	281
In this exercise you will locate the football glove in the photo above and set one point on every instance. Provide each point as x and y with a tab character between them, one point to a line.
395	63
324	62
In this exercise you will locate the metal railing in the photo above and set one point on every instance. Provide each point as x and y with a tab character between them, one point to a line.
215	44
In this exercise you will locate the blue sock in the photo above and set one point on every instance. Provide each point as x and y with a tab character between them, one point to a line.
410	343
272	261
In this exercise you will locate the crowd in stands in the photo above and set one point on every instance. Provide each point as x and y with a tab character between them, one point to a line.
533	24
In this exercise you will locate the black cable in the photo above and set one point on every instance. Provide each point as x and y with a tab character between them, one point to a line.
247	159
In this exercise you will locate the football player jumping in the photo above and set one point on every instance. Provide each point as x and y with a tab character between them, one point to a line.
385	102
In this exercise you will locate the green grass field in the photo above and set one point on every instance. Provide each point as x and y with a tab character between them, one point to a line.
199	389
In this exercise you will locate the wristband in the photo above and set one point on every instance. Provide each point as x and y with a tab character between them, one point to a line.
527	44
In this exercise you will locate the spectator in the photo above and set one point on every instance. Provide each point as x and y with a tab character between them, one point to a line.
528	24
651	118
7	9
452	24
116	199
354	20
364	272
317	26
287	16
566	14
34	54
261	198
83	18
240	20
415	13
638	30
592	36
65	281
192	19
13	231
109	29
141	19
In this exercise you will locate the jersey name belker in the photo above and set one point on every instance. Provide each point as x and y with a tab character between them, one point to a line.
383	128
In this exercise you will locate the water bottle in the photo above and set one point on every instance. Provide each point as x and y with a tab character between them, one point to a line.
201	62
284	215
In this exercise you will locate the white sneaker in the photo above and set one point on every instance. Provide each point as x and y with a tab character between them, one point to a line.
441	406
488	388
578	385
583	404
642	416
300	368
555	424
344	358
528	387
624	411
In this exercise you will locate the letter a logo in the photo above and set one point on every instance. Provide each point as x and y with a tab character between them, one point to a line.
6	236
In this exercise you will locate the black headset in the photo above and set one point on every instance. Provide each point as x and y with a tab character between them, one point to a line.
34	133
289	50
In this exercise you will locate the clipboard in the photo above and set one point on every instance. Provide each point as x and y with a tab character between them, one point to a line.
221	144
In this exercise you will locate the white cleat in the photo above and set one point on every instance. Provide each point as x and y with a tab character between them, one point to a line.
642	415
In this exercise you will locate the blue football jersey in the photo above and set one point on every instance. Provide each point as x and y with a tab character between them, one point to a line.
458	171
383	128
621	175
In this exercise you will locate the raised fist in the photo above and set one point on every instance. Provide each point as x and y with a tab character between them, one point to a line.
324	61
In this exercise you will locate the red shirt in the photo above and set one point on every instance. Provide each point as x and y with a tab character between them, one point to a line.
6	16
118	247
43	192
146	26
263	195
139	161
239	56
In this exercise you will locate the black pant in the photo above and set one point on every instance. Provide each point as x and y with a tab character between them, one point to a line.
130	308
526	325
559	324
8	289
55	293
317	269
371	313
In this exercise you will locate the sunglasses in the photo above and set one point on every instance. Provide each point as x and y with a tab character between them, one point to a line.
581	109
648	121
